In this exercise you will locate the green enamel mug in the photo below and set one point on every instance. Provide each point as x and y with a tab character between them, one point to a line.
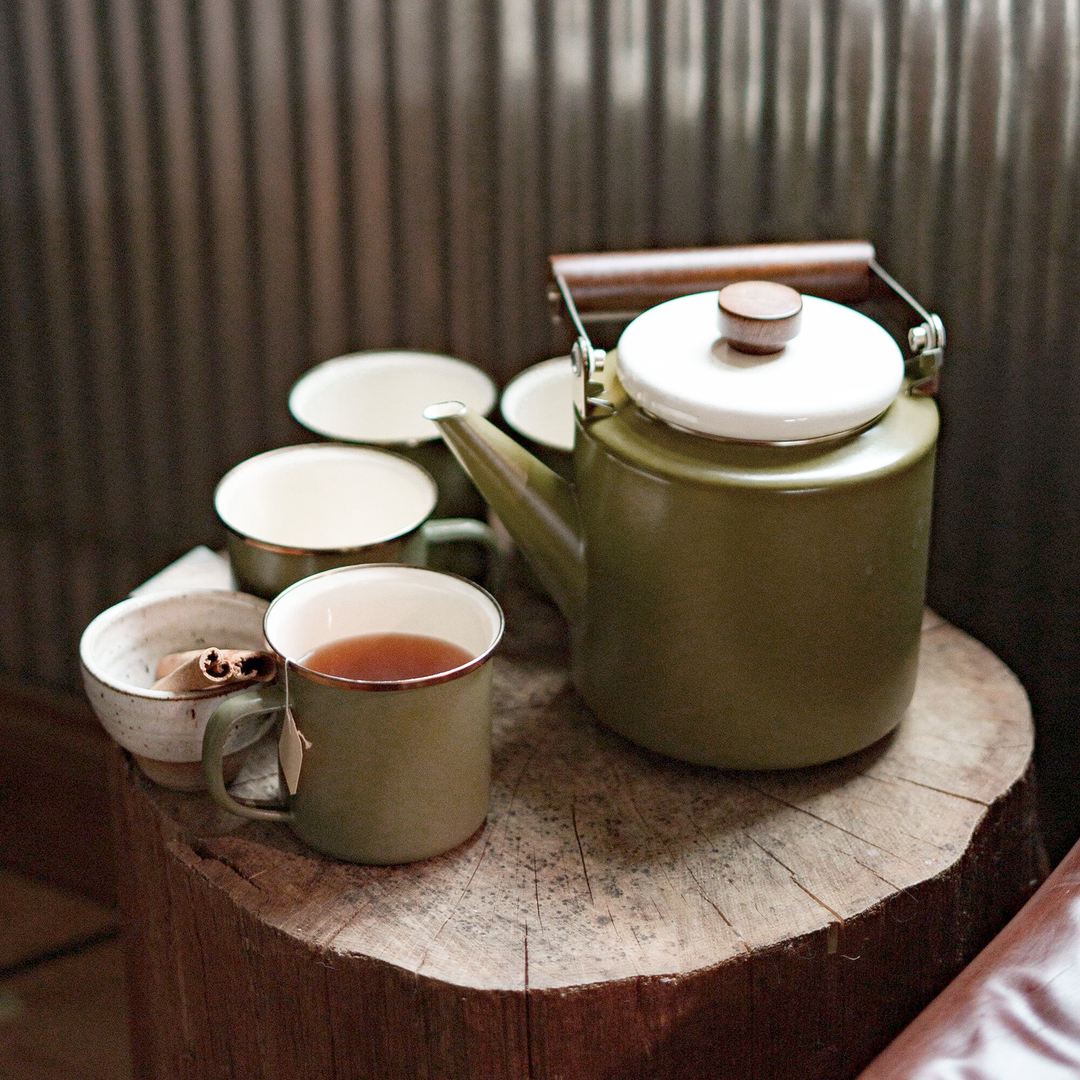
299	510
385	769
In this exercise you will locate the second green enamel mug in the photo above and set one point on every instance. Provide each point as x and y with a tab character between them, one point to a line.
299	510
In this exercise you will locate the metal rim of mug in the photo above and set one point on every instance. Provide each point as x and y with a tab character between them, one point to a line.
280	549
399	684
277	549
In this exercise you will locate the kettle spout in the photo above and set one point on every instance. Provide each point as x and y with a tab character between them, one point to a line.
536	505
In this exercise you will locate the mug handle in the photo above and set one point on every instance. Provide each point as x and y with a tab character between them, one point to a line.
260	699
455	530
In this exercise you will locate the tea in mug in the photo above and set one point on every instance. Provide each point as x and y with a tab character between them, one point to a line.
389	657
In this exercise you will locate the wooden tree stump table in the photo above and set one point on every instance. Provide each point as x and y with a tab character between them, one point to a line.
620	916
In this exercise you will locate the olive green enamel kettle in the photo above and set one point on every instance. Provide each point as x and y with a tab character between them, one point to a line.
742	553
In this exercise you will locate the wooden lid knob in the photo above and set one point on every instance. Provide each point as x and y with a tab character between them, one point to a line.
759	316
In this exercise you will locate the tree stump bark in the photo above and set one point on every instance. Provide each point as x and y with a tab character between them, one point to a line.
620	916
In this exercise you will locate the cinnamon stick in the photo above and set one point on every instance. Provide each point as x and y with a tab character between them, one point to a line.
205	669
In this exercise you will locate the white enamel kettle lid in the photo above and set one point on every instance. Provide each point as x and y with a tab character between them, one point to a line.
837	373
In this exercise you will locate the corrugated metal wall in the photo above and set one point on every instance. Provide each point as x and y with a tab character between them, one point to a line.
200	199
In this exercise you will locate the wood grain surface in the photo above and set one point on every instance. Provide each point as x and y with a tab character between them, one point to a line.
620	915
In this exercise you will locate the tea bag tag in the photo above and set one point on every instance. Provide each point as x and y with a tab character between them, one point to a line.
291	747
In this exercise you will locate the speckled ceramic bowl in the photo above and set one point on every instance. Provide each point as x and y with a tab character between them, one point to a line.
119	652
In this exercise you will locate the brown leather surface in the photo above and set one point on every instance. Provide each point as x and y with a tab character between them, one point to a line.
1014	1012
631	281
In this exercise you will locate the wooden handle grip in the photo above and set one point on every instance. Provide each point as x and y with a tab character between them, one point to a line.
622	282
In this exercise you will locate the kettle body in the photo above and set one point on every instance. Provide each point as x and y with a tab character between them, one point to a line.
752	606
740	602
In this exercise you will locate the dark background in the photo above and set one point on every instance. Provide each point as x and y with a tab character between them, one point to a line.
199	200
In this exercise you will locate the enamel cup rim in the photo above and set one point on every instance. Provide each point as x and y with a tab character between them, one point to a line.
322	449
475	385
529	381
329	581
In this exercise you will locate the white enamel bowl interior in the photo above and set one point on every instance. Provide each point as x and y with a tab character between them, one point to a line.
379	397
539	403
325	497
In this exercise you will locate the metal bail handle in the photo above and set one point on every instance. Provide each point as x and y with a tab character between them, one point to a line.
585	361
926	340
622	284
